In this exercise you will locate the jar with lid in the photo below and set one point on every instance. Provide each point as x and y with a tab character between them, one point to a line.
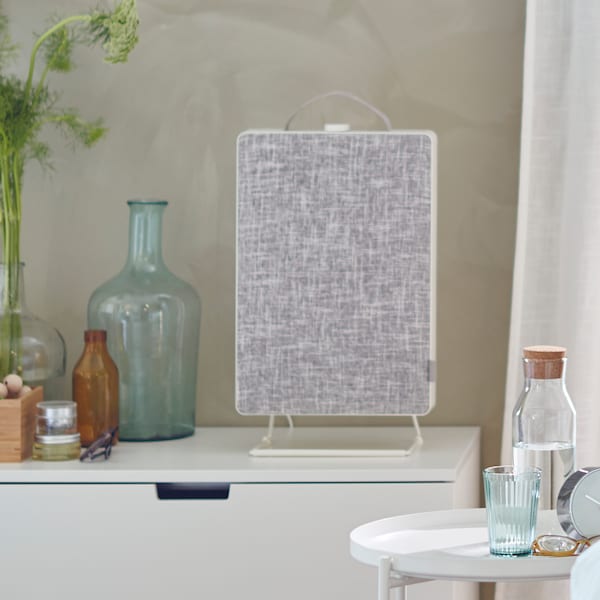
96	388
56	435
56	417
544	421
56	447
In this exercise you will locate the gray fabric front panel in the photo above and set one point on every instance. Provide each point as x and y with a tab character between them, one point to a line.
333	273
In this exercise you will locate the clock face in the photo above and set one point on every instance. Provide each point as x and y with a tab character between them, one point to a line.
581	503
585	504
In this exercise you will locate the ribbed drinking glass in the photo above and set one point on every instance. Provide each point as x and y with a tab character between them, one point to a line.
511	501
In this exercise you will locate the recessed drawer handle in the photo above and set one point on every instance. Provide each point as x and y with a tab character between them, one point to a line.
192	491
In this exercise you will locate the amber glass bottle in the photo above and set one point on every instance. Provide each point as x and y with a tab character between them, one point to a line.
95	388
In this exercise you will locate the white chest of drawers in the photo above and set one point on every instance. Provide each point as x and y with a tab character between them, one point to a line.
252	528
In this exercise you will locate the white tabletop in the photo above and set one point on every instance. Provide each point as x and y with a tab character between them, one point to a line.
452	544
220	454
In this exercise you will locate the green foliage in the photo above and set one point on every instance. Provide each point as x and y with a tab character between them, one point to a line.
27	107
8	50
80	131
58	49
33	107
116	31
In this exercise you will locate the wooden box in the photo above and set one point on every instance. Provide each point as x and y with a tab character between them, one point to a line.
17	426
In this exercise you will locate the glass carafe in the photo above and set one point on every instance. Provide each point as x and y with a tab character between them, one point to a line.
544	421
152	320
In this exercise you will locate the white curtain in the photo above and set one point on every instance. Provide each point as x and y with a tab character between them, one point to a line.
556	286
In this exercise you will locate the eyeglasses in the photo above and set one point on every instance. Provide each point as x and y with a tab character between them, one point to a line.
558	545
100	447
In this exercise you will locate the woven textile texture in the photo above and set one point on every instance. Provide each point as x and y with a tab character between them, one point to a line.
334	290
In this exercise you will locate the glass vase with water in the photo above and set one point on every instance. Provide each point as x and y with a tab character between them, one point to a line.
544	421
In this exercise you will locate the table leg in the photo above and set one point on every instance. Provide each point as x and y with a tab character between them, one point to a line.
401	593
383	587
386	583
388	580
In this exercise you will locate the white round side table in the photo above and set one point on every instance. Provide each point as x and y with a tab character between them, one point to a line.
451	544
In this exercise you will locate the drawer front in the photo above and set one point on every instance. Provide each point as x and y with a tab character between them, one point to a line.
263	541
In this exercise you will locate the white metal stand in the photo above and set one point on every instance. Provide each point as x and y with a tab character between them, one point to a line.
447	545
293	442
389	580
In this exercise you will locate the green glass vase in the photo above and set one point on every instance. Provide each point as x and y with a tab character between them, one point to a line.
152	320
29	346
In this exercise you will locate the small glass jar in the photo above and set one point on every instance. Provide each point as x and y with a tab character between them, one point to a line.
56	417
56	447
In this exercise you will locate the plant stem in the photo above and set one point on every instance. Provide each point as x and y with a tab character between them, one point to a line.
11	176
10	321
40	41
11	225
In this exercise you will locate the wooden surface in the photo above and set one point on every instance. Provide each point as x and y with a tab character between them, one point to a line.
17	426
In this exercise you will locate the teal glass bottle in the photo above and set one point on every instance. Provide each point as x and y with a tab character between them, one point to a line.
152	320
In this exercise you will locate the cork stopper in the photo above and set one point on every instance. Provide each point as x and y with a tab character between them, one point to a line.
544	362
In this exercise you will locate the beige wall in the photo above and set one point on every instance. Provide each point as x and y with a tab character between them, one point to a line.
206	70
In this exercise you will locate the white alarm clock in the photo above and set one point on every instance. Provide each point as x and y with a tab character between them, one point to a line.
578	504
